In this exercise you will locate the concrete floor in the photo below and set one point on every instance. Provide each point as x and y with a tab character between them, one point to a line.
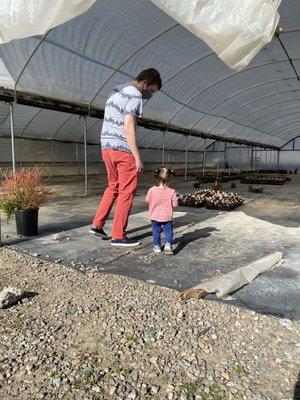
208	242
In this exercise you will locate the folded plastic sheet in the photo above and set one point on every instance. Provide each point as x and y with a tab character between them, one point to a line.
236	30
234	280
23	18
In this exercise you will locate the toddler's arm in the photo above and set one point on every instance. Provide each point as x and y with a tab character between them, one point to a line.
174	200
148	197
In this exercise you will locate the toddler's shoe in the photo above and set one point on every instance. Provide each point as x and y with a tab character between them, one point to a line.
168	249
157	249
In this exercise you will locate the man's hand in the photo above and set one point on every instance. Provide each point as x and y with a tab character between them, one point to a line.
139	165
130	135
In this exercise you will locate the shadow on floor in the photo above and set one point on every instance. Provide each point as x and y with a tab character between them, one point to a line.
186	220
25	295
190	237
49	229
297	389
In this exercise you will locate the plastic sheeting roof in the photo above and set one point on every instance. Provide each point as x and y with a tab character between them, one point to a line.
81	61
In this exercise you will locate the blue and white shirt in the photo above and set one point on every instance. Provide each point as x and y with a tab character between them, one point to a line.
124	100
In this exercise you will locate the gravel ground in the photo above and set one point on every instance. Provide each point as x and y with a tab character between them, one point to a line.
85	337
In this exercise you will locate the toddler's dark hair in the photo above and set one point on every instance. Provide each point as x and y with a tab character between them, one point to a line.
163	175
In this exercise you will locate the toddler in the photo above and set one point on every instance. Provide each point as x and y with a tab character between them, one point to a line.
162	199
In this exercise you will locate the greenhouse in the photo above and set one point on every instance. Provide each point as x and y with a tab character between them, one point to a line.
227	127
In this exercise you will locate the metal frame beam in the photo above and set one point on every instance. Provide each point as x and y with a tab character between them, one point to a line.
116	70
186	157
28	61
194	97
85	157
296	137
276	93
12	133
68	107
267	106
237	94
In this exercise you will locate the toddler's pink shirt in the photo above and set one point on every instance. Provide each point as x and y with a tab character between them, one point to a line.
161	201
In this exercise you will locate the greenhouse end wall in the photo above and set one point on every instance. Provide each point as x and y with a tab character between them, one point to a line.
68	158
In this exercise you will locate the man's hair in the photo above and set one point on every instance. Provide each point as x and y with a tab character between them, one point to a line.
150	75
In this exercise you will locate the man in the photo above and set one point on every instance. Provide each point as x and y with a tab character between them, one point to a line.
121	155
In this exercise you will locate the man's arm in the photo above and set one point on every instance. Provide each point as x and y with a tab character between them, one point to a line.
130	135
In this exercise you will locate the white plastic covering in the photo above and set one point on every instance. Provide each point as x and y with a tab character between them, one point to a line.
81	60
5	77
235	30
234	280
23	18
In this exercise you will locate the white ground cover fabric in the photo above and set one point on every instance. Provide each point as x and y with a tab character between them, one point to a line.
234	280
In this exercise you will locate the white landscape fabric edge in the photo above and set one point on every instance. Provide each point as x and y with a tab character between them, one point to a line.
228	283
24	18
235	30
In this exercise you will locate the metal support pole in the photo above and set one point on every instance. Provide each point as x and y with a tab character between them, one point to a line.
85	158
218	165
249	158
240	159
255	159
186	157
251	162
12	138
277	165
260	158
271	160
225	155
20	151
52	156
163	149
271	164
204	160
77	157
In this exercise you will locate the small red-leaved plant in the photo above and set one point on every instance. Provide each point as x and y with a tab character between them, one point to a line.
22	190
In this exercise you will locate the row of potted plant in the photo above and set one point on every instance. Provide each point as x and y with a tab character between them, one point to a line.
211	198
264	180
22	194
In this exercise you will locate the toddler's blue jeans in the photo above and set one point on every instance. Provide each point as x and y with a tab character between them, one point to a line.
158	228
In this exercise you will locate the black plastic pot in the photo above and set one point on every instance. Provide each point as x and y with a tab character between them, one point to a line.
27	222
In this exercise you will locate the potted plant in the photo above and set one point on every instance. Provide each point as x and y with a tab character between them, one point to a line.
256	188
22	194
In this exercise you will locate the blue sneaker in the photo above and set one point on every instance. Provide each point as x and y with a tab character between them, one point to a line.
125	242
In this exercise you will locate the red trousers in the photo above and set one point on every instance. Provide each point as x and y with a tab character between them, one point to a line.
122	184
